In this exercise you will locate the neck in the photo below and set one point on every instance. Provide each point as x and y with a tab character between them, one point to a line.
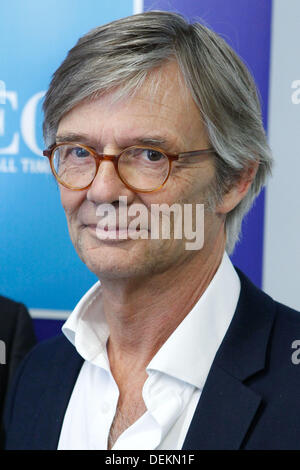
142	314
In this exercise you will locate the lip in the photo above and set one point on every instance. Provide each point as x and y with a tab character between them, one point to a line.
117	234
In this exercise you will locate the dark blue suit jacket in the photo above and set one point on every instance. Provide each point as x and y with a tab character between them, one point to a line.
251	399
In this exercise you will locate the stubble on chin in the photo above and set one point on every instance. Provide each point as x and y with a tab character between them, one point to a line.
139	259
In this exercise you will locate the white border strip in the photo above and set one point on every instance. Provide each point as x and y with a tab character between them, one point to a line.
45	314
138	6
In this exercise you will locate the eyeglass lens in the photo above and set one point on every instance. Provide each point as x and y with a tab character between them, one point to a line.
141	168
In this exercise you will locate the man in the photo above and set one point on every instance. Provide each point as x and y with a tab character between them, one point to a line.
174	349
17	337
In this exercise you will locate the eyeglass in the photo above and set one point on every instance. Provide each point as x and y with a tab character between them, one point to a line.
142	169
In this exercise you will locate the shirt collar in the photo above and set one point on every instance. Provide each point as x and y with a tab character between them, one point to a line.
189	352
86	328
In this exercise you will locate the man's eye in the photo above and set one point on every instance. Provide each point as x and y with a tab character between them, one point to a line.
153	155
80	152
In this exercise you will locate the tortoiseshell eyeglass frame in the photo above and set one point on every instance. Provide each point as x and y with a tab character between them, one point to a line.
99	157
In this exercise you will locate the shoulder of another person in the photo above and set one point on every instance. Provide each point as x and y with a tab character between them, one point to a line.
10	306
14	316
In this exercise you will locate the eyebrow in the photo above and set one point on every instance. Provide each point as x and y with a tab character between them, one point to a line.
73	137
159	141
87	140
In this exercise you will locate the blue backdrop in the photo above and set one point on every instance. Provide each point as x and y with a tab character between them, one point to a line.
246	26
38	264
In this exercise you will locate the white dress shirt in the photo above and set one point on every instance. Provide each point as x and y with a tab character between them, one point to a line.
176	374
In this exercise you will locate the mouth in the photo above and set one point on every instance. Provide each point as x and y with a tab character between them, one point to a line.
117	233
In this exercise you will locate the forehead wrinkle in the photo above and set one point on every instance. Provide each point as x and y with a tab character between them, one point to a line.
164	89
158	85
160	104
167	77
144	105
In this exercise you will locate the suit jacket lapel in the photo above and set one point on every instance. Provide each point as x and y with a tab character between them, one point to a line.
227	406
223	415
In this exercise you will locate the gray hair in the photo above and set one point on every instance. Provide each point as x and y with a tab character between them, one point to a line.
120	55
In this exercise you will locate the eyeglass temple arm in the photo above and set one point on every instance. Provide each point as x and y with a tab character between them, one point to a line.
192	154
196	152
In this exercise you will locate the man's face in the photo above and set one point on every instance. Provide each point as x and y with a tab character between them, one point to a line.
170	119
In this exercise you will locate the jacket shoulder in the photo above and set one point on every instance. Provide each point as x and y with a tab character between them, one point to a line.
11	312
286	338
18	336
7	304
260	298
16	329
45	356
288	314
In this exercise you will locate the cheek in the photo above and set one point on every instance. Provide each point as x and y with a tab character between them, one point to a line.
184	187
71	200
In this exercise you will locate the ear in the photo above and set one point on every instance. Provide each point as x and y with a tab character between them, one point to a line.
234	196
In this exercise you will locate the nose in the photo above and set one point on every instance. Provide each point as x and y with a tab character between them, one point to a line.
107	186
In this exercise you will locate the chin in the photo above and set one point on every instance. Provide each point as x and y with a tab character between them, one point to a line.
132	268
116	269
130	259
110	261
